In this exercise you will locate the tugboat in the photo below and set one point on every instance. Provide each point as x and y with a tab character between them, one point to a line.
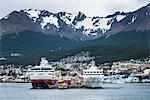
92	77
42	76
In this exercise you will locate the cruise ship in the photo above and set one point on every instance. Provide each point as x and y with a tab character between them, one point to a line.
92	77
42	76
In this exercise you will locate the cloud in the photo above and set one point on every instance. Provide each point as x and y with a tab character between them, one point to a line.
89	7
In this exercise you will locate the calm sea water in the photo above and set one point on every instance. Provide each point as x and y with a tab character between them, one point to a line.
22	91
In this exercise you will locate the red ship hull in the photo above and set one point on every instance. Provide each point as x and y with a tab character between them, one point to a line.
45	84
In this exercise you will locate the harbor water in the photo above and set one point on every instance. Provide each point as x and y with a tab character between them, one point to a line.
23	91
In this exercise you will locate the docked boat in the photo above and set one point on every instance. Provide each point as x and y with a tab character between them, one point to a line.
63	84
92	77
42	76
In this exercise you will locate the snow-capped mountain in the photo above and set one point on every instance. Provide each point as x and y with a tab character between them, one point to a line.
35	33
81	26
75	26
138	20
79	21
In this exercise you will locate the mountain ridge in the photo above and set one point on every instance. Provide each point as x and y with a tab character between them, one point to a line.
75	26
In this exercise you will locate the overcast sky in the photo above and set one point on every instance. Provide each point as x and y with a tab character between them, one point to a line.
89	7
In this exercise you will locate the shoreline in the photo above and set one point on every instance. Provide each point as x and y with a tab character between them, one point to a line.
101	83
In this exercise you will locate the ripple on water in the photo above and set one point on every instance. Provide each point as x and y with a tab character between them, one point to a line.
22	91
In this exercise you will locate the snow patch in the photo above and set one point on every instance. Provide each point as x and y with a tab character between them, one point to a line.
133	19
33	14
87	23
6	17
88	26
51	19
68	18
87	32
120	17
104	26
146	14
94	34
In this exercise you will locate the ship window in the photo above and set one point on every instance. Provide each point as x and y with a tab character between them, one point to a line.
46	69
30	71
35	68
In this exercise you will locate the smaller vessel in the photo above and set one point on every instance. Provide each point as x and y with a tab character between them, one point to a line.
92	77
63	84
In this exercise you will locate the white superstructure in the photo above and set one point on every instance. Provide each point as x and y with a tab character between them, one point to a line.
43	71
